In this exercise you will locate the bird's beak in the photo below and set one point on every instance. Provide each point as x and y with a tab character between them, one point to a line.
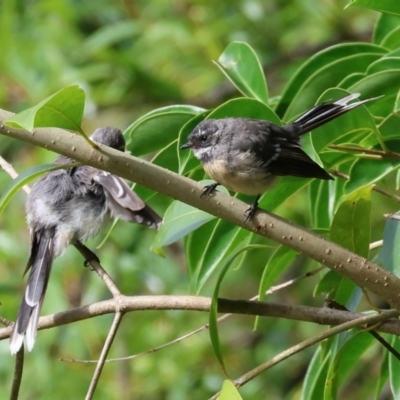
188	145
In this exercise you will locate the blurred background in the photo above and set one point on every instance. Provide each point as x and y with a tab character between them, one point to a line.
132	57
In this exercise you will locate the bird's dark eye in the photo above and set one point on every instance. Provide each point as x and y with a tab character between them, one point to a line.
203	138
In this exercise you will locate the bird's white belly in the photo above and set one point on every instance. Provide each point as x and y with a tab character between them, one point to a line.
250	181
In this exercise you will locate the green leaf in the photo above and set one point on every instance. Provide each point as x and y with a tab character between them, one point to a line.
384	64
383	82
366	171
25	178
213	325
229	392
389	255
286	187
278	262
392	40
221	241
382	376
63	109
157	129
385	24
328	283
351	224
246	108
321	196
394	370
241	66
327	77
344	361
384	6
314	382
179	220
351	229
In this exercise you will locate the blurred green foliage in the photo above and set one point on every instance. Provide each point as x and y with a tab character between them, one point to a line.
133	57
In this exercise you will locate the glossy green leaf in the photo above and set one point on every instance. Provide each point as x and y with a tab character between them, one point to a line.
63	109
384	6
389	255
314	382
385	24
344	361
394	370
283	189
276	265
383	376
195	243
246	108
350	80
351	223
351	229
327	77
366	171
383	82
229	392
213	325
390	127
224	238
158	128
392	40
321	60
241	66
384	64
321	195
179	220
24	179
328	283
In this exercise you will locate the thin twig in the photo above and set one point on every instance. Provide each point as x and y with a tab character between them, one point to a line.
318	315
365	320
93	261
375	188
371	330
9	169
17	378
107	344
375	245
273	289
5	321
381	153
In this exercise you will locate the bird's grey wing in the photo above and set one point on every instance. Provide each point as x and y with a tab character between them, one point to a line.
119	191
294	161
124	203
258	137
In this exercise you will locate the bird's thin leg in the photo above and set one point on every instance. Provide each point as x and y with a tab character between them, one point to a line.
249	213
86	252
207	190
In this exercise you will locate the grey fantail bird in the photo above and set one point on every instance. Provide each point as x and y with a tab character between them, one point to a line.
68	206
247	155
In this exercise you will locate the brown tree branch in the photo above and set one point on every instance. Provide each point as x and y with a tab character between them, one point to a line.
323	316
359	270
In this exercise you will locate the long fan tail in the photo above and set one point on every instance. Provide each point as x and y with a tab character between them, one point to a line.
40	262
325	112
